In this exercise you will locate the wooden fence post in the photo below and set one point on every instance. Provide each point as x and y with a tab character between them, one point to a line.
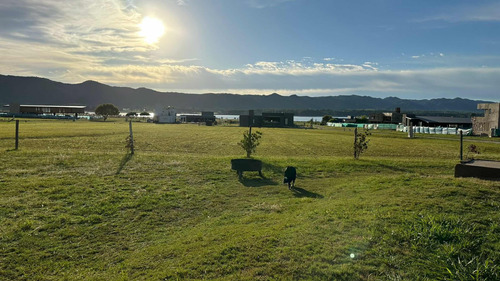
461	145
355	142
17	134
131	137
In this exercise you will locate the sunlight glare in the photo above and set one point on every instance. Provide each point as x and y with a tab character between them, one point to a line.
151	29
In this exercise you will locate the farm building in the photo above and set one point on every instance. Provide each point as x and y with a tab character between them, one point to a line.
437	121
281	120
387	117
206	117
165	115
46	109
490	123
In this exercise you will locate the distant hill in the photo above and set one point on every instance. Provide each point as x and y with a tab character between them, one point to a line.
34	90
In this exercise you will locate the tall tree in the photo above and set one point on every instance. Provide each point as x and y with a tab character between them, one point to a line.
106	110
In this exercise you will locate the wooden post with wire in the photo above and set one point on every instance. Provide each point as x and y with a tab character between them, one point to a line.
17	134
355	142
131	138
461	145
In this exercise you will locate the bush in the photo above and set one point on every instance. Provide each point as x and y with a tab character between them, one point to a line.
250	142
360	142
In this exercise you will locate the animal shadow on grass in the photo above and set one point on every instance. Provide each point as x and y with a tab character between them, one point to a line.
256	182
124	161
300	192
262	181
274	169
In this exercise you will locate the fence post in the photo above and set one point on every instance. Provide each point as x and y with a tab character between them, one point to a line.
250	116
17	134
355	142
131	137
461	145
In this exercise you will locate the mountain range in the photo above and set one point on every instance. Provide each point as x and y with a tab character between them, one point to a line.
35	90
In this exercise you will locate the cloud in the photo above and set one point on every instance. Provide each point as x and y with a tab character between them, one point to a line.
76	26
292	67
429	56
288	77
455	82
51	38
294	78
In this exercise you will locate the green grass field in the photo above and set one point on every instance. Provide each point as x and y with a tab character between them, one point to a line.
74	205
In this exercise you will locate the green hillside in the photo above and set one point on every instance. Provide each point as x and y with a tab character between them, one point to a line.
75	206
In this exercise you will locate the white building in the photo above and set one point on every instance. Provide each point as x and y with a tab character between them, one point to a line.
165	115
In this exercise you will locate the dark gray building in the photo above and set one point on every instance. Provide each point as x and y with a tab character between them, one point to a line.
206	117
278	120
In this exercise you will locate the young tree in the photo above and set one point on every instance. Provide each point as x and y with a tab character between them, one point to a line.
250	142
360	142
106	110
472	149
326	119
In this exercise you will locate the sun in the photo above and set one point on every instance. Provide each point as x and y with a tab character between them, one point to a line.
151	29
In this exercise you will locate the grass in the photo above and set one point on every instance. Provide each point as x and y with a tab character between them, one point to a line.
74	205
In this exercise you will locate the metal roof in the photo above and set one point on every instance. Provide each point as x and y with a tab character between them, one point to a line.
55	106
444	120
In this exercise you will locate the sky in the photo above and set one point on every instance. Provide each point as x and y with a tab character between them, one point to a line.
382	48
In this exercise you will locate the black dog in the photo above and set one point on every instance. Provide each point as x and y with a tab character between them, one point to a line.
290	176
